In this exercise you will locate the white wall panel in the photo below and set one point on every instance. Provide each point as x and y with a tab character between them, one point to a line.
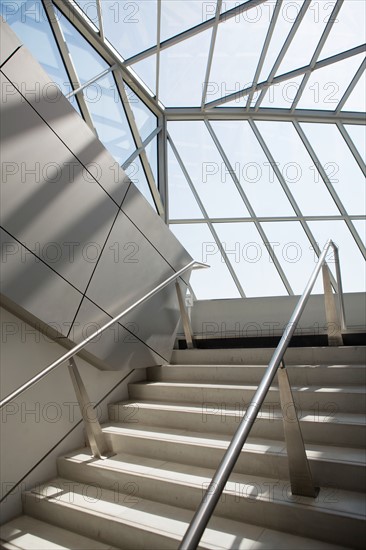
9	41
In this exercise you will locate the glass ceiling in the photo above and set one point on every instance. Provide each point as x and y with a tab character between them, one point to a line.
242	123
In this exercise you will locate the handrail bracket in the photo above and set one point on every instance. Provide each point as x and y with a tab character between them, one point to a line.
299	469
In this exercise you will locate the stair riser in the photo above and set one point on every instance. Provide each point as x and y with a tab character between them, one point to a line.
118	534
325	473
307	400
238	505
253	374
213	419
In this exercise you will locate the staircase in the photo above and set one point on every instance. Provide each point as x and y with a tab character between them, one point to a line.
169	438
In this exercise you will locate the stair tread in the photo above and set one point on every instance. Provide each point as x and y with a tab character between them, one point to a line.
146	465
307	416
165	519
253	444
203	385
27	533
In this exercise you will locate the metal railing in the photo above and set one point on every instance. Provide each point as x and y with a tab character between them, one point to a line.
300	475
93	430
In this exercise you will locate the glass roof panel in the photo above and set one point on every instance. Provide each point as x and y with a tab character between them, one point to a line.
297	168
282	95
309	33
252	168
360	225
29	21
294	252
342	169
146	70
182	71
130	26
351	261
250	259
326	86
146	121
137	175
215	282
358	136
180	15
357	99
88	63
152	155
238	46
109	118
182	203
349	29
287	16
207	170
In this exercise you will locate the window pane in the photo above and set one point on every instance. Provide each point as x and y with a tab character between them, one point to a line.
282	95
109	118
180	15
29	21
207	170
326	86
349	29
152	155
345	174
294	252
252	168
360	225
130	26
146	121
250	259
238	46
182	71
357	99
215	282
297	168
146	70
182	203
358	136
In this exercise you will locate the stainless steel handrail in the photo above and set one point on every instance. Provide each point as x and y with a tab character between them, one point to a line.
192	265
205	510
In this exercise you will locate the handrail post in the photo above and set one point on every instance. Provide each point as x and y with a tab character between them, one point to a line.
93	430
185	318
331	313
300	475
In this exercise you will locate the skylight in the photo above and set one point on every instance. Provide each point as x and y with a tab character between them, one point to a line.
242	123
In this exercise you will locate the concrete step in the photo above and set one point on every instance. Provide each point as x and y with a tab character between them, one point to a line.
345	399
339	467
299	375
128	521
329	428
27	533
340	355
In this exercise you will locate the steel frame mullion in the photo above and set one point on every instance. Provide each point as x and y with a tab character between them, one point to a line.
287	76
109	54
285	187
264	219
145	143
211	52
100	19
351	87
266	44
330	187
158	30
284	50
317	52
163	166
347	138
136	136
267	114
206	217
91	81
249	207
237	10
